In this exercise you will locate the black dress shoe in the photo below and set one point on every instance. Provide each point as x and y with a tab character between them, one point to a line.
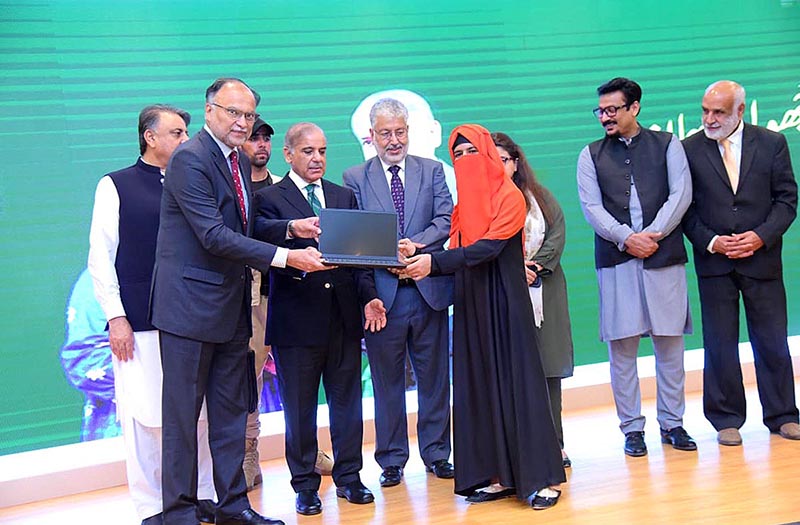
355	492
156	519
566	462
248	517
442	469
206	510
545	502
678	438
391	476
308	503
482	496
634	444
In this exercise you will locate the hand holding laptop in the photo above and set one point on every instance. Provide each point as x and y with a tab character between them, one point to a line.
307	260
419	266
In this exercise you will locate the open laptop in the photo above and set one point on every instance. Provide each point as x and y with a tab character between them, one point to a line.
366	239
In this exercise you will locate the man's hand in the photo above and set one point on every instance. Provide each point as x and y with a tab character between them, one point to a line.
120	336
308	260
723	244
642	244
407	247
743	245
530	272
419	266
375	315
307	228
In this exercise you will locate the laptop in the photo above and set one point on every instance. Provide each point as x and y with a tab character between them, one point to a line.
360	238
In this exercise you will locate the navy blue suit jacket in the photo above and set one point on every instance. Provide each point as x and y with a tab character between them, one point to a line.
428	206
201	277
301	305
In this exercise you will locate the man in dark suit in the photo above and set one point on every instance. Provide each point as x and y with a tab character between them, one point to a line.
745	198
416	190
200	300
314	326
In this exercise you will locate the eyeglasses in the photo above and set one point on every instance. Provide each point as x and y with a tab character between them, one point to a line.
472	150
609	111
235	114
386	134
506	160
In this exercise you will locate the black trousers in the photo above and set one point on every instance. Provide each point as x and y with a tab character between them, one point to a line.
300	369
764	301
194	370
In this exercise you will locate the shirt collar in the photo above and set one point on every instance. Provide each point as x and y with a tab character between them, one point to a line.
736	136
226	150
300	183
402	165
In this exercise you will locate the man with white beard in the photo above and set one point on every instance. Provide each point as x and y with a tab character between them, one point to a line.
745	198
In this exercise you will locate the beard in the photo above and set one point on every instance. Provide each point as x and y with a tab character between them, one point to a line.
726	127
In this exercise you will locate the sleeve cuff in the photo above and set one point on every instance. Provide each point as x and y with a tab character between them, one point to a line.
280	257
710	246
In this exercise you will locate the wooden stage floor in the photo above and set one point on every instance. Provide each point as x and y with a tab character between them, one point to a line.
756	483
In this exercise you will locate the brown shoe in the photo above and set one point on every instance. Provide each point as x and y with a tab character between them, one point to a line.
324	464
250	465
730	437
790	431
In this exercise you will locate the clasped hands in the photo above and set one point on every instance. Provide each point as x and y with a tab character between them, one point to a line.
642	244
738	245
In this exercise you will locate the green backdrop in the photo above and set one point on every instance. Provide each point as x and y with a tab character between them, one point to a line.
76	74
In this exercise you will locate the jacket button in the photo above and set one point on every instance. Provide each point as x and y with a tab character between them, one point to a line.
624	207
627	161
627	193
327	285
735	208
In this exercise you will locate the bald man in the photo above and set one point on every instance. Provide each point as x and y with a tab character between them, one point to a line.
745	198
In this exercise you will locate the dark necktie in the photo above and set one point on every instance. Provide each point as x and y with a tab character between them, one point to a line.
237	183
398	198
313	201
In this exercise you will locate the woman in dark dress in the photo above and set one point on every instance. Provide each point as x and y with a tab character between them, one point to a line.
505	443
545	236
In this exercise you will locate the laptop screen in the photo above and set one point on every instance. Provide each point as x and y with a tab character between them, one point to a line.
358	232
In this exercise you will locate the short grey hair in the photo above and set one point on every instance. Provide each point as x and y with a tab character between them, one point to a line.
387	107
298	131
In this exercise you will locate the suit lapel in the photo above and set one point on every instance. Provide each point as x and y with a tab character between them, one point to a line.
411	189
748	153
715	159
291	193
225	171
376	180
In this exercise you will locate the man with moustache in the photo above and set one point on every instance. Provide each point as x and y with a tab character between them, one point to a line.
314	326
634	186
745	198
122	244
259	150
415	189
200	301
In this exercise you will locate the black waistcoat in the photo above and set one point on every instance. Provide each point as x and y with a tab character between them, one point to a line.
139	188
646	160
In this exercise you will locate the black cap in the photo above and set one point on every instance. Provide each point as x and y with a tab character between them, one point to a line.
258	124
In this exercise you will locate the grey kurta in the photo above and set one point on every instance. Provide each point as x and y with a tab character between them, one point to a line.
633	300
555	334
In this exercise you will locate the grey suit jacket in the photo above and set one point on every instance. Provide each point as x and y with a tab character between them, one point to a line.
428	206
201	279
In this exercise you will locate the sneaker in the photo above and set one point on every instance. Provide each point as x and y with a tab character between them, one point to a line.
250	465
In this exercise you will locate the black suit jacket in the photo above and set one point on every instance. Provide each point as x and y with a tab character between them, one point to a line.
765	201
200	280
301	305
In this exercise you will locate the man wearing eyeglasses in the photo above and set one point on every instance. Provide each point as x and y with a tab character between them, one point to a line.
200	302
634	186
415	189
122	243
